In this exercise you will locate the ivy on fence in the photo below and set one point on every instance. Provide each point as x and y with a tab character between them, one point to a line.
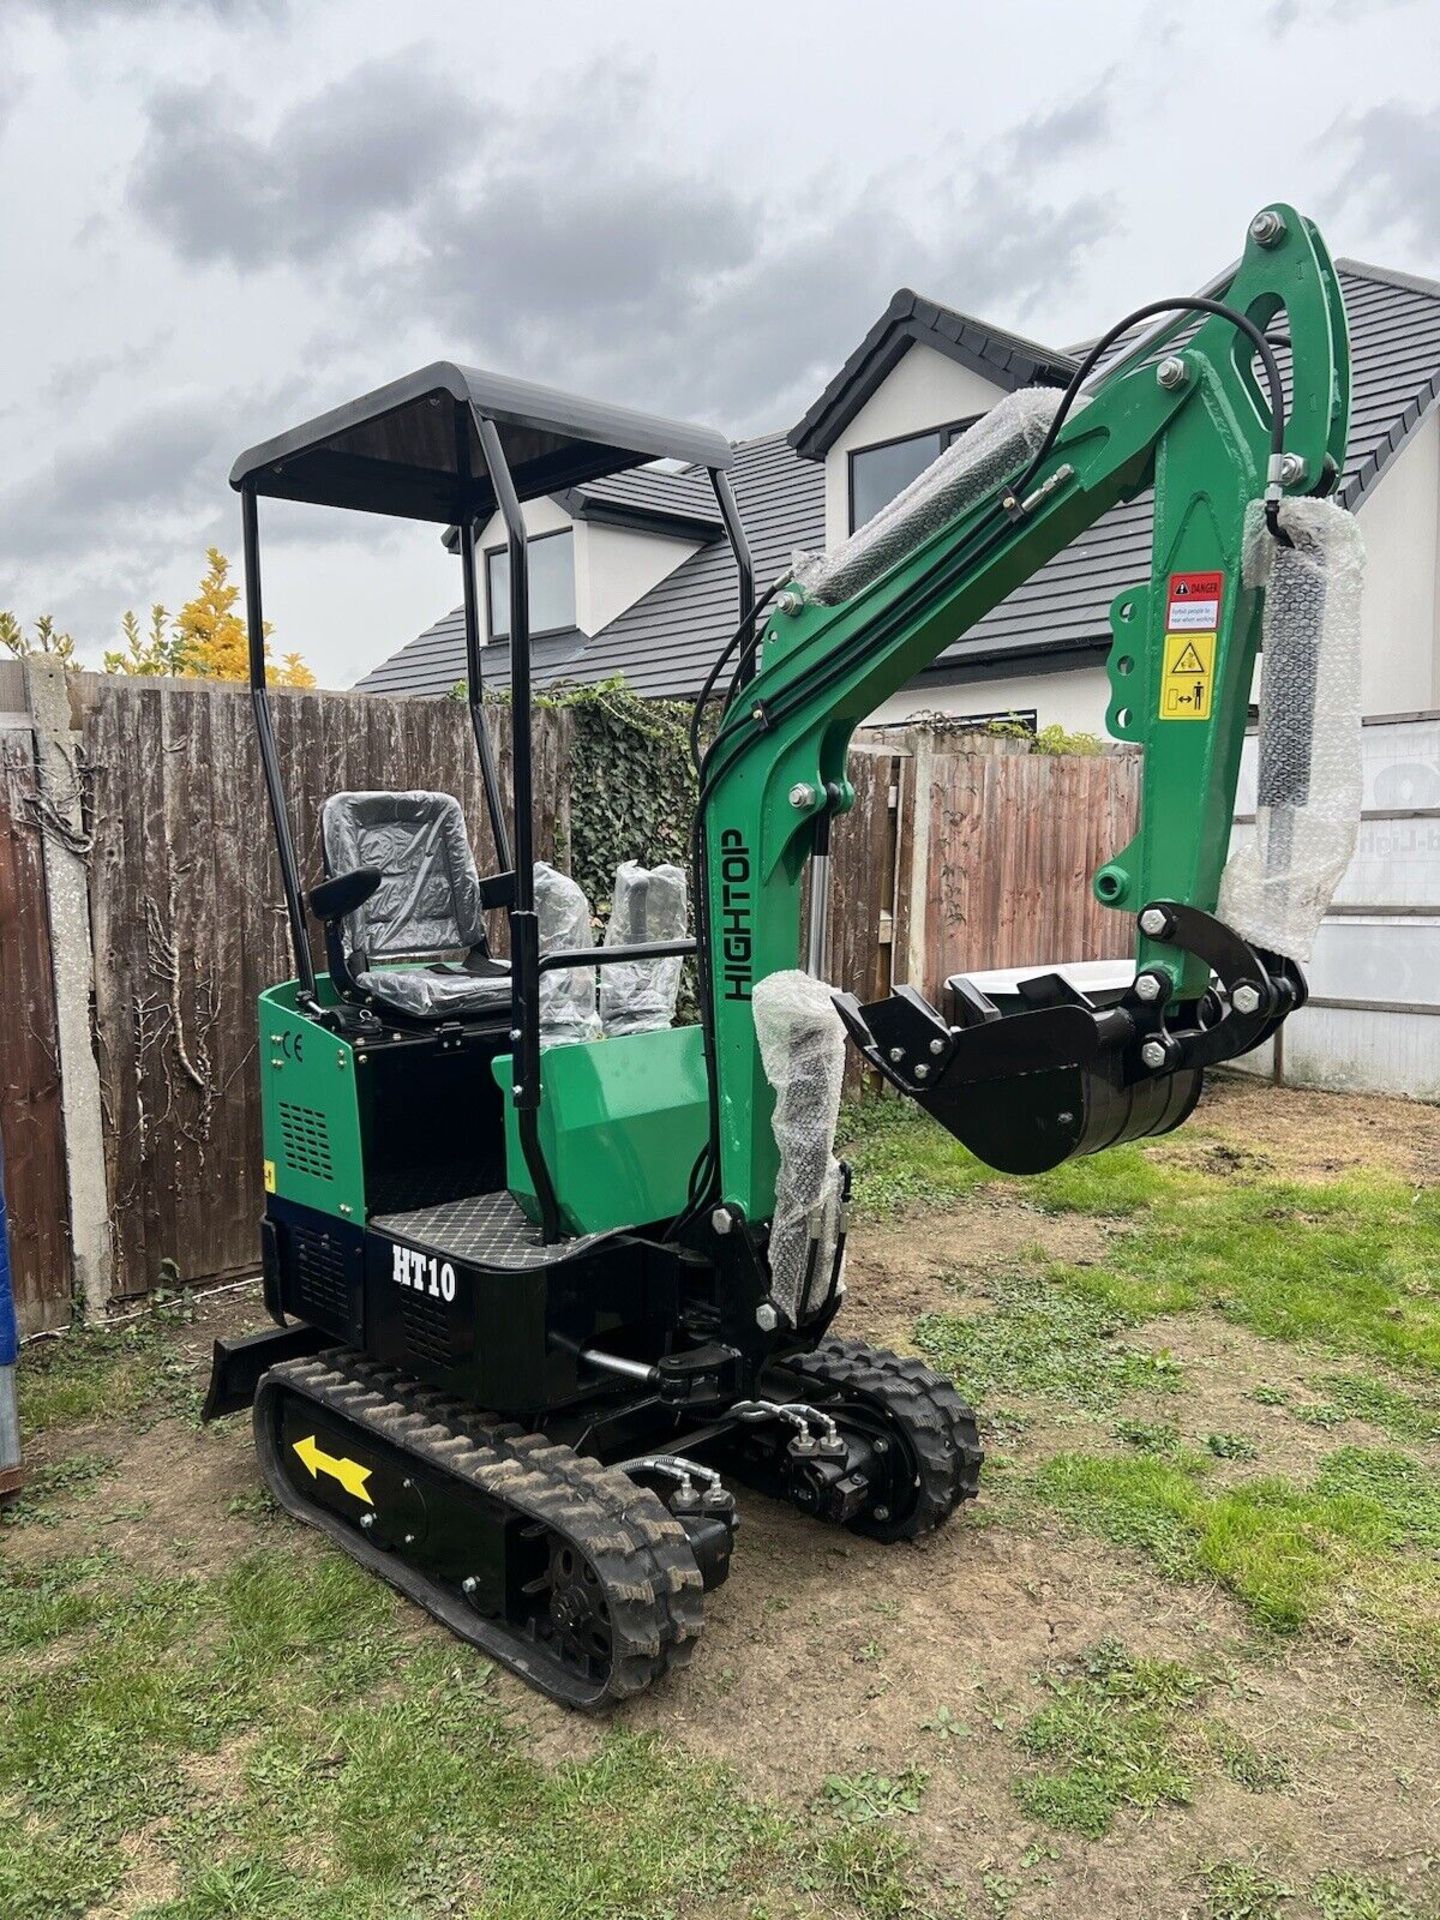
632	786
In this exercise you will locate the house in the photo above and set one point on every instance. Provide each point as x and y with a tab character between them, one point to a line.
631	576
635	579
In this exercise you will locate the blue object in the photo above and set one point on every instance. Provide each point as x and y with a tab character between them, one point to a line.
9	1332
9	1355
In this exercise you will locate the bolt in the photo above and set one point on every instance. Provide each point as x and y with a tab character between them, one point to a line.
409	1539
882	1446
1267	228
1246	998
469	1584
766	1318
802	795
517	1090
516	1036
406	1485
789	602
937	1047
897	1054
1172	372
367	1521
922	1072
1153	1053
1148	986
881	1513
1292	469
1155	921
721	1220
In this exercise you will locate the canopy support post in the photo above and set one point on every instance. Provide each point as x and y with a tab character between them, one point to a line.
474	671
524	924
269	761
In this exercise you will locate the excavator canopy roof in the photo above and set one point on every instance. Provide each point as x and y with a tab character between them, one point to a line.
412	449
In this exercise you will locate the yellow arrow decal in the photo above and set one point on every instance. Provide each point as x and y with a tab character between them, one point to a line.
351	1475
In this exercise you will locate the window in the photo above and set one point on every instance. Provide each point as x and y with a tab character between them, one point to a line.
877	474
552	585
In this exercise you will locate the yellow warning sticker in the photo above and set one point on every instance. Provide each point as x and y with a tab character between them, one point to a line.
269	1176
1189	673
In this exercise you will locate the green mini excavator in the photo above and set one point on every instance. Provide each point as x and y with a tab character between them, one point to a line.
534	1304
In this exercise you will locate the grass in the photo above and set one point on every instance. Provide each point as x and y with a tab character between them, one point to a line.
282	1739
107	1373
1350	1265
1045	1340
275	1743
1359	1396
50	1487
1120	1733
1239	1890
1108	1737
1355	1550
1355	1896
1243	1890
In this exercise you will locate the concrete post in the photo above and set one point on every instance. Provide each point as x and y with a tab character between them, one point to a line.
62	827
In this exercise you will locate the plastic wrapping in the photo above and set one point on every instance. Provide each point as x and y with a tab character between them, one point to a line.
436	993
428	902
651	904
1278	885
567	996
802	1048
429	899
995	448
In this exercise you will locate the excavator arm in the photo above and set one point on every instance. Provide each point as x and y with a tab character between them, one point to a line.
1188	413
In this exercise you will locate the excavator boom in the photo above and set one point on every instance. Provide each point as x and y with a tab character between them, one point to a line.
1205	416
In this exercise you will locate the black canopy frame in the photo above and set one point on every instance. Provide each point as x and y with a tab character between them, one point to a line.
455	445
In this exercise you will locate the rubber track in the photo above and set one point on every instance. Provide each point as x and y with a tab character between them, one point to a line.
638	1549
940	1428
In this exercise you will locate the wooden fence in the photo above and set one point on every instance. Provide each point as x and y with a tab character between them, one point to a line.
951	859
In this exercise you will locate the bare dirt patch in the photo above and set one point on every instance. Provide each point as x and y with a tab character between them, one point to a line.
897	1270
1303	1134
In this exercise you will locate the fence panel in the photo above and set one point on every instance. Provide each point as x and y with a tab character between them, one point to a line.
1013	841
955	856
30	1106
190	925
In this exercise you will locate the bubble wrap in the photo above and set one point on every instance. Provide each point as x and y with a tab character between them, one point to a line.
567	996
995	448
802	1048
1278	885
651	903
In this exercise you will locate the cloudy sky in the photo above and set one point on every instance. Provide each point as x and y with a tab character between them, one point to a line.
218	217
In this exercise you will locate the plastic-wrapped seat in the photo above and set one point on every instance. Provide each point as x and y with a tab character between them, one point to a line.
429	902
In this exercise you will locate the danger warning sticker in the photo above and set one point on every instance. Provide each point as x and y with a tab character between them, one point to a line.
1192	604
1188	676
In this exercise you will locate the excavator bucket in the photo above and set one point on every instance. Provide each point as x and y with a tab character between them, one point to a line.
1065	1075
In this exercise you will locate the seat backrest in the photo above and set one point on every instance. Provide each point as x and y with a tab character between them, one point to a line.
429	899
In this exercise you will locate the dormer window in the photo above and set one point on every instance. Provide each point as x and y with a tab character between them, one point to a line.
878	473
552	585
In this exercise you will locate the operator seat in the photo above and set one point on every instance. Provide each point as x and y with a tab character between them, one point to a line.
400	868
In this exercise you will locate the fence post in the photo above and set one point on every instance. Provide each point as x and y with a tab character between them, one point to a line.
60	815
921	741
